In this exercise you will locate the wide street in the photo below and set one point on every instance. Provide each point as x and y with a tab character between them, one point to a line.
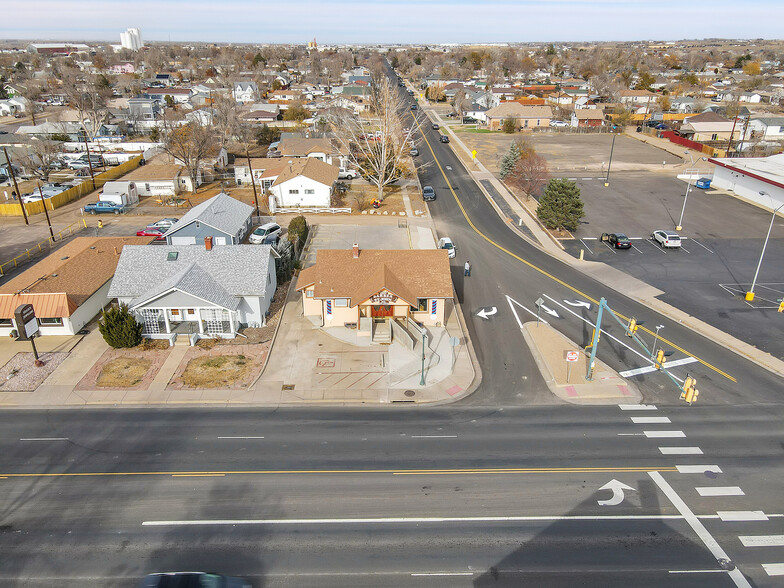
508	487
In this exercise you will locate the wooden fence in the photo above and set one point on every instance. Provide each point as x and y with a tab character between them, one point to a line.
71	194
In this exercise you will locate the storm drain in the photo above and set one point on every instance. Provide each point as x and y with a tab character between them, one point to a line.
287	387
409	393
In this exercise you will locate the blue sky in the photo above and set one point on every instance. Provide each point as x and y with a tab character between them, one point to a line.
388	21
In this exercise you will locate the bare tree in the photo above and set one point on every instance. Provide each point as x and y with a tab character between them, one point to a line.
88	96
190	144
379	155
461	102
42	158
530	174
225	117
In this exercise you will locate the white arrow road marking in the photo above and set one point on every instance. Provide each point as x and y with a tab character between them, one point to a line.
578	303
649	368
617	490
517	317
549	311
486	313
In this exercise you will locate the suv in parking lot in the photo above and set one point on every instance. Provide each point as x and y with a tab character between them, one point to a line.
266	233
666	238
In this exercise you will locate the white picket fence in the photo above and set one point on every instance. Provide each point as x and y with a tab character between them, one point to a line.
312	210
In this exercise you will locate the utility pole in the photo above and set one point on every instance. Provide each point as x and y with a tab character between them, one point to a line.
732	132
89	163
16	186
46	211
253	183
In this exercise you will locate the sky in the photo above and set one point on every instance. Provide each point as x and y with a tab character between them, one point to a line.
390	21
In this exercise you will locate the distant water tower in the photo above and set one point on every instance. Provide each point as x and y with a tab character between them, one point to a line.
131	39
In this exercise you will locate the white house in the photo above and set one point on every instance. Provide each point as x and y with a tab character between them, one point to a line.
245	92
161	180
68	288
196	291
304	183
769	128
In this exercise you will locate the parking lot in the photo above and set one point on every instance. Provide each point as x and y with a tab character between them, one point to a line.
710	273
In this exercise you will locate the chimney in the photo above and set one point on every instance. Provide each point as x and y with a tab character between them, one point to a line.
355	247
208	243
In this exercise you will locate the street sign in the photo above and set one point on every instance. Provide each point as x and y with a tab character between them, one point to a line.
572	355
26	323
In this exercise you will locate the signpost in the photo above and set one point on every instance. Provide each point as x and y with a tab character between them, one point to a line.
27	327
571	357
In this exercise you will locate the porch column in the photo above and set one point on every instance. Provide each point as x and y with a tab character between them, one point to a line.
201	324
166	320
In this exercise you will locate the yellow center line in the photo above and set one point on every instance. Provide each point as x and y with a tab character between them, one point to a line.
546	273
442	471
198	475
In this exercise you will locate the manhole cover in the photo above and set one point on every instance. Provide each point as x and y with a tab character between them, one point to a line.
288	386
409	393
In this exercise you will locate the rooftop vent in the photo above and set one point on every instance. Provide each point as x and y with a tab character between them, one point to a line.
172	255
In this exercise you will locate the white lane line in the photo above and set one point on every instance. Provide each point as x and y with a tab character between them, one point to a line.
240	437
443	574
698	469
762	540
529	311
605	333
720	491
637	407
697	572
650	420
706	538
730	516
680	450
698	243
650	368
586	178
774	569
432	436
399	520
631	434
662	434
45	439
586	246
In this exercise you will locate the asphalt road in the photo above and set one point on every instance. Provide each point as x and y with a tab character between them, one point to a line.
435	497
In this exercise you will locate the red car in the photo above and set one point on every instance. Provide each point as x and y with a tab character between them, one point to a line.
151	232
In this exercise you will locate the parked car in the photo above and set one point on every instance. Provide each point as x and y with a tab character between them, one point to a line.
435	126
467	120
666	238
444	138
165	223
103	207
558	123
347	174
266	233
191	580
428	193
414	107
703	183
414	152
446	243
617	240
152	232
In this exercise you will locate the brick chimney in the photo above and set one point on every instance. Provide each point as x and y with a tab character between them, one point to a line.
355	248
208	243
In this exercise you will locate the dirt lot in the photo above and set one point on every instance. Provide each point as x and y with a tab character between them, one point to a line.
234	367
123	372
131	369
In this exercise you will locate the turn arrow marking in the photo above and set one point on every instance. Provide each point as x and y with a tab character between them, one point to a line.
578	303
549	311
486	313
617	490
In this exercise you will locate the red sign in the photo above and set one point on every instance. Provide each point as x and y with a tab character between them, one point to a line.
572	355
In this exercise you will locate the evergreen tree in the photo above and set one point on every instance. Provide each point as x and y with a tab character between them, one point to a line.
509	160
119	327
560	207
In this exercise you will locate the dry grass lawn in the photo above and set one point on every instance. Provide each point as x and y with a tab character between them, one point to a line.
215	371
123	372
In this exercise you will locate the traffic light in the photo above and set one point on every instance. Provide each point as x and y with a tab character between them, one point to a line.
690	392
632	328
691	395
660	358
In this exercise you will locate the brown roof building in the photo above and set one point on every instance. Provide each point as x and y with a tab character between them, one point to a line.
364	288
68	287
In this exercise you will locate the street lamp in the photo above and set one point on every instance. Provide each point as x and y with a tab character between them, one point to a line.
679	226
609	163
655	340
750	293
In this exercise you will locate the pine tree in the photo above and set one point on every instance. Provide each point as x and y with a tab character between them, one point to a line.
119	327
560	207
509	160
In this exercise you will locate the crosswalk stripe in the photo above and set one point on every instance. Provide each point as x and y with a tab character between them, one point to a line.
637	407
662	434
680	450
774	569
650	420
720	491
730	516
762	540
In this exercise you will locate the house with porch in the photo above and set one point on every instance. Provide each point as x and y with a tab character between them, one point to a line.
196	291
376	291
303	183
587	117
222	219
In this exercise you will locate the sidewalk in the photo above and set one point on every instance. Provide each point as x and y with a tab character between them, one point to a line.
615	279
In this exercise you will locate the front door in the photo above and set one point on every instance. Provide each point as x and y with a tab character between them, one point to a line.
382	310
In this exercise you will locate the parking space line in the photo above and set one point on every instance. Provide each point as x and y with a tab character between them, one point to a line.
720	491
653	244
610	248
586	246
637	249
682	248
700	244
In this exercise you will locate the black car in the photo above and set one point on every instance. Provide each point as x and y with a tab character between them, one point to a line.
428	193
617	240
435	126
191	580
444	138
414	107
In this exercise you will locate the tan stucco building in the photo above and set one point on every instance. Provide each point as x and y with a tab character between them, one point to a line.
525	117
371	289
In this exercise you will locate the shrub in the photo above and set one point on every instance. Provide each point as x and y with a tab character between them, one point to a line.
119	327
509	126
560	207
298	231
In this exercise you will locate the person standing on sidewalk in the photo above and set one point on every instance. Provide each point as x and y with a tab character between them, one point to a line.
467	268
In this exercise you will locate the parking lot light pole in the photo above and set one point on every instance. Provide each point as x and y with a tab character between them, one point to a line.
609	163
679	226
750	293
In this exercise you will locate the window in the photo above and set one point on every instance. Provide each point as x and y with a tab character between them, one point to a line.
6	323
310	191
714	137
266	184
174	312
310	293
293	191
51	321
341	301
191	311
781	129
422	304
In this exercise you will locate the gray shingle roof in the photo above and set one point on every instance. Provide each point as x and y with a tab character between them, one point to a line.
221	275
221	212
